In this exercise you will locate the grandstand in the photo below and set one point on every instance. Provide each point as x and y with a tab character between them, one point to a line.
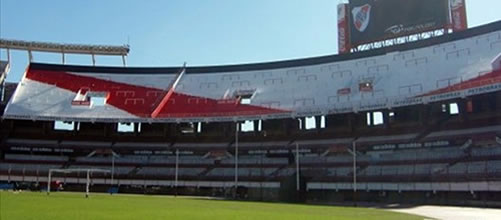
416	122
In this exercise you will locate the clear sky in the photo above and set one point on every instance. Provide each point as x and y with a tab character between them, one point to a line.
200	32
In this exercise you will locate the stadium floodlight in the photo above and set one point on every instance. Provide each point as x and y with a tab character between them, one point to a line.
93	50
65	48
88	171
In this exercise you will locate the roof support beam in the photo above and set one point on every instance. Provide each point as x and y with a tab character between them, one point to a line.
65	48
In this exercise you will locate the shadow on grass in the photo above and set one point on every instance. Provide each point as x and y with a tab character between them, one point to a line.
340	204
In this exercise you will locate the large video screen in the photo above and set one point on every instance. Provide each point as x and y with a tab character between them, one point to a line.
375	20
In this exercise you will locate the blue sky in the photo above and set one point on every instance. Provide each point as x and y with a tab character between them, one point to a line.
200	32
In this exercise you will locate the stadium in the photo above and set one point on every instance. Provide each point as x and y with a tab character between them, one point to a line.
411	117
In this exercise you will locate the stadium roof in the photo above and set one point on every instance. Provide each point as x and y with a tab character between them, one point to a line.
65	48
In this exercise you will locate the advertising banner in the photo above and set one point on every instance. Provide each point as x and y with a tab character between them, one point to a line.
342	27
458	15
376	20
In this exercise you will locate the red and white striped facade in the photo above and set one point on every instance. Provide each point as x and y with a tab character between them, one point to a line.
429	72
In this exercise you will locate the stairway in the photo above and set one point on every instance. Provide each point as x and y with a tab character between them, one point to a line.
135	170
206	171
275	173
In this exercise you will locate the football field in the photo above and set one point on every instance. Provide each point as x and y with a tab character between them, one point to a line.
35	205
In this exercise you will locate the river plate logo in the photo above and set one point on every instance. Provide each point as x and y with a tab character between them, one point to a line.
361	17
456	4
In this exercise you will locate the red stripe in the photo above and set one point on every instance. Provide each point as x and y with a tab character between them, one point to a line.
138	101
182	105
487	79
147	102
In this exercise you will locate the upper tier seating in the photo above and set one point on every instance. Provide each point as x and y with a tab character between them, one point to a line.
463	132
255	160
170	171
144	160
242	172
42	168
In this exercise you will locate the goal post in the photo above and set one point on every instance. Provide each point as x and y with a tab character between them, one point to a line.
87	171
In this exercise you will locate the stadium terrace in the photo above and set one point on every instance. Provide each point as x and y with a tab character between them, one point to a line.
383	121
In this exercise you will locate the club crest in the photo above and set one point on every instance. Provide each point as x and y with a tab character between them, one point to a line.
455	4
361	17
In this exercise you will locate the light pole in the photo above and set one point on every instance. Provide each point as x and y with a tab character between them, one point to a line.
297	167
112	167
49	181
354	153
236	160
177	171
87	185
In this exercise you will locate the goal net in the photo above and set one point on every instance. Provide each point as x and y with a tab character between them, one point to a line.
89	172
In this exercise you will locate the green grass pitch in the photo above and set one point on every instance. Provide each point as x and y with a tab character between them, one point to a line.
34	205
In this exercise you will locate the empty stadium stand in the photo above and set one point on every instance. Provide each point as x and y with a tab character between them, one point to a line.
429	131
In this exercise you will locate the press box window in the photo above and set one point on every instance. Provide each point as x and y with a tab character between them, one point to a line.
64	125
375	118
191	128
126	127
247	126
378	118
311	123
453	109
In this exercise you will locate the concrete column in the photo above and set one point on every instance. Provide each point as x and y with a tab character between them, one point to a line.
386	119
318	120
